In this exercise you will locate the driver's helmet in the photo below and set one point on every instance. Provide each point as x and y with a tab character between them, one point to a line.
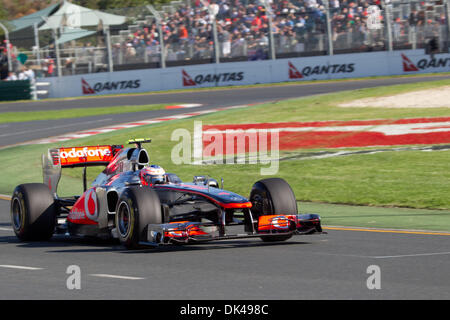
153	175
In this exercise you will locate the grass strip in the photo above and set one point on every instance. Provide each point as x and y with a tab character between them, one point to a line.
9	117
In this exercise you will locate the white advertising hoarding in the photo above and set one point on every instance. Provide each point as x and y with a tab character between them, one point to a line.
354	65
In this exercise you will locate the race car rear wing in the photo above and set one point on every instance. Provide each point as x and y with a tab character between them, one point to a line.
73	157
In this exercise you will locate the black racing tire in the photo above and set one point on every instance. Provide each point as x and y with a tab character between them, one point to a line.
33	212
273	196
137	207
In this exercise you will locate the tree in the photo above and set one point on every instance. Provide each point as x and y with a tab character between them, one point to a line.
13	9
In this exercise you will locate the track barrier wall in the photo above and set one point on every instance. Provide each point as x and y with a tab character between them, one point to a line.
247	73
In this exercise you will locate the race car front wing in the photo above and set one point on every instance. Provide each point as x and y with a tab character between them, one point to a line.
266	226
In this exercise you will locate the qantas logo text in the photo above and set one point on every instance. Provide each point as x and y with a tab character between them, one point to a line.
109	86
211	78
423	64
294	73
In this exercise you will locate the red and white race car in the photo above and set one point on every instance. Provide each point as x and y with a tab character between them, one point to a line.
141	204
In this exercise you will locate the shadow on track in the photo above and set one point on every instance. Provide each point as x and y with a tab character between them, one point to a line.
95	245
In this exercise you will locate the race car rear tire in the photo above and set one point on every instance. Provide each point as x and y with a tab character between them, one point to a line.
33	212
137	207
273	196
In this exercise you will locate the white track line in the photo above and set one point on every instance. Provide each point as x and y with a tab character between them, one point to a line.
386	229
412	255
115	276
19	267
5	229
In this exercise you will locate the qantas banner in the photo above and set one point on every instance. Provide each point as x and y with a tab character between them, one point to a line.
251	72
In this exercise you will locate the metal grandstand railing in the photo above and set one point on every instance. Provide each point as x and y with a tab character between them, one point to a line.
193	32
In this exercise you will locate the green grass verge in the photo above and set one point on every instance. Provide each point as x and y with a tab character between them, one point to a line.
323	107
7	117
395	218
412	179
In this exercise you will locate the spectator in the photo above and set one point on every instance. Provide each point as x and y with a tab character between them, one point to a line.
49	67
130	53
3	64
11	76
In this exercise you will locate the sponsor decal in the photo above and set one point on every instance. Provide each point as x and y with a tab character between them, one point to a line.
109	86
183	229
408	66
77	155
276	222
86	87
313	70
293	72
424	64
76	214
187	80
211	78
339	134
280	222
85	210
90	204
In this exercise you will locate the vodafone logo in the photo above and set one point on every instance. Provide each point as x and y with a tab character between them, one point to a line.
86	208
177	233
281	222
85	152
90	204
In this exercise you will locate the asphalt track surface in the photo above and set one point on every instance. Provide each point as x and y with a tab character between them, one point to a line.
332	266
15	133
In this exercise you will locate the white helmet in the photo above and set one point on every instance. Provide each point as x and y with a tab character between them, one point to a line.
153	174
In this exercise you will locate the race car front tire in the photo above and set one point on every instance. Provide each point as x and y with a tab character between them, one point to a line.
33	212
273	196
137	207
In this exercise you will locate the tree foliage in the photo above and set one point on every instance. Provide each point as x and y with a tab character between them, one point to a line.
13	9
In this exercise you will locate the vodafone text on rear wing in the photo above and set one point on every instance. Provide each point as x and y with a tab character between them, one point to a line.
72	157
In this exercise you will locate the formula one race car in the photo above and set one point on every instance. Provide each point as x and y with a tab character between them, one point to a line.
141	204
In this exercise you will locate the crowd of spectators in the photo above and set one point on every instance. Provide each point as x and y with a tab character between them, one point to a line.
299	27
243	29
19	71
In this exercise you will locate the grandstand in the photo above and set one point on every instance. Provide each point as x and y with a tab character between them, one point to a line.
247	30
